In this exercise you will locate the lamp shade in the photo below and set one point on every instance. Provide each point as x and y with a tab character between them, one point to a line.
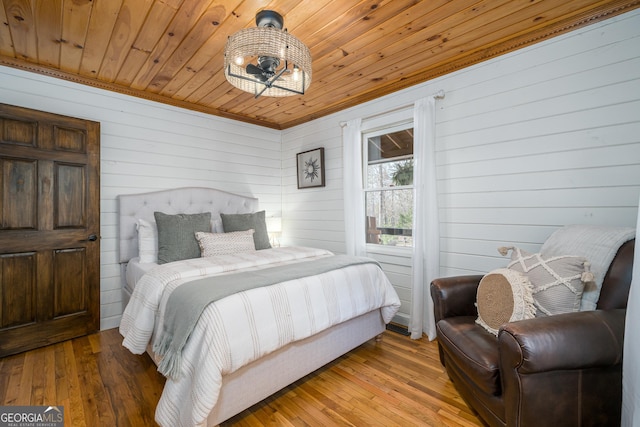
290	60
274	224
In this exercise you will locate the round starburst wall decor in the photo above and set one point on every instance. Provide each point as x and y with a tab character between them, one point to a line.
311	168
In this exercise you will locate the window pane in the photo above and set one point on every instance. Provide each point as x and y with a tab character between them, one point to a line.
390	217
390	174
390	145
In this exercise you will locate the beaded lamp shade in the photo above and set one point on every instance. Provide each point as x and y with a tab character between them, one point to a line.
267	60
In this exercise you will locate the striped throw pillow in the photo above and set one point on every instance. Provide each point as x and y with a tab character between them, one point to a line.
557	281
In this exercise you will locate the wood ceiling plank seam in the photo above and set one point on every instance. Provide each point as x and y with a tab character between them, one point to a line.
316	27
323	41
475	58
155	24
75	26
232	94
209	79
190	78
174	4
469	40
200	57
6	42
48	19
395	55
187	15
302	13
101	22
426	33
366	28
289	104
21	24
203	30
204	64
125	31
212	86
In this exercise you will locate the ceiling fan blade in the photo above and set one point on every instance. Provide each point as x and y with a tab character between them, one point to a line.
253	69
258	72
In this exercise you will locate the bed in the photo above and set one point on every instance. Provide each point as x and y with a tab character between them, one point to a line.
212	382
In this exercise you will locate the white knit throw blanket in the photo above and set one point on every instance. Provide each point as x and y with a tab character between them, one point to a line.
598	244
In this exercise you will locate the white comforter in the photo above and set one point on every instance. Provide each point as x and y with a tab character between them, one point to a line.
243	327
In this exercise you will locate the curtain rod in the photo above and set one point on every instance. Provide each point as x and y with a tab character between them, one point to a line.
437	95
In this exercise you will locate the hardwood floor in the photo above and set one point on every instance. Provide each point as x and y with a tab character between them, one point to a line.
397	381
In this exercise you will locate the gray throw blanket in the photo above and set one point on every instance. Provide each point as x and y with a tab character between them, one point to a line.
187	302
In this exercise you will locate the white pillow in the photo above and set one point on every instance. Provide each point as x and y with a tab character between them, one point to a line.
212	244
147	241
216	226
148	238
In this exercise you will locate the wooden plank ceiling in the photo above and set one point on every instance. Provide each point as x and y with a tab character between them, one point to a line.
171	51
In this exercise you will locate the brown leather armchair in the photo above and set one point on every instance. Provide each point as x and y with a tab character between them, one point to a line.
562	370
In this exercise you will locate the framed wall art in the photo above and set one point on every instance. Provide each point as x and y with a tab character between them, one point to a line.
311	168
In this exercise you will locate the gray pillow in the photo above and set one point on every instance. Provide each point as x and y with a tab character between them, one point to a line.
243	222
177	235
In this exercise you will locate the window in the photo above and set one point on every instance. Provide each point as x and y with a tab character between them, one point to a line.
389	186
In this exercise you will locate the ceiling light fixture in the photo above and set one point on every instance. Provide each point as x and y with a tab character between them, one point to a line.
278	64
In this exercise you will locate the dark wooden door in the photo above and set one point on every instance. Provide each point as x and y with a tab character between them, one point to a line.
49	228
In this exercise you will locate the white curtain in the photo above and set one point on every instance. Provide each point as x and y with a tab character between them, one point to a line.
630	366
354	212
426	234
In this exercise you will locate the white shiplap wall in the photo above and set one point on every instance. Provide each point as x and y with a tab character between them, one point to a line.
527	142
147	146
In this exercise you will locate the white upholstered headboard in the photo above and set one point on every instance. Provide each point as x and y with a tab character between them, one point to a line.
179	200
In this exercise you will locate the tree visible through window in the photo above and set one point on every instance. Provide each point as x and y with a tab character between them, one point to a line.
389	187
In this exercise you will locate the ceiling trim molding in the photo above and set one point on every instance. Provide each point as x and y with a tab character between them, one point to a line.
112	87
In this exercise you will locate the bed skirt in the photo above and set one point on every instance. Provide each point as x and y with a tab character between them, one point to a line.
262	378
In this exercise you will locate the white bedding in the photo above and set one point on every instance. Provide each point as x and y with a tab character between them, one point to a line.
241	328
134	272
